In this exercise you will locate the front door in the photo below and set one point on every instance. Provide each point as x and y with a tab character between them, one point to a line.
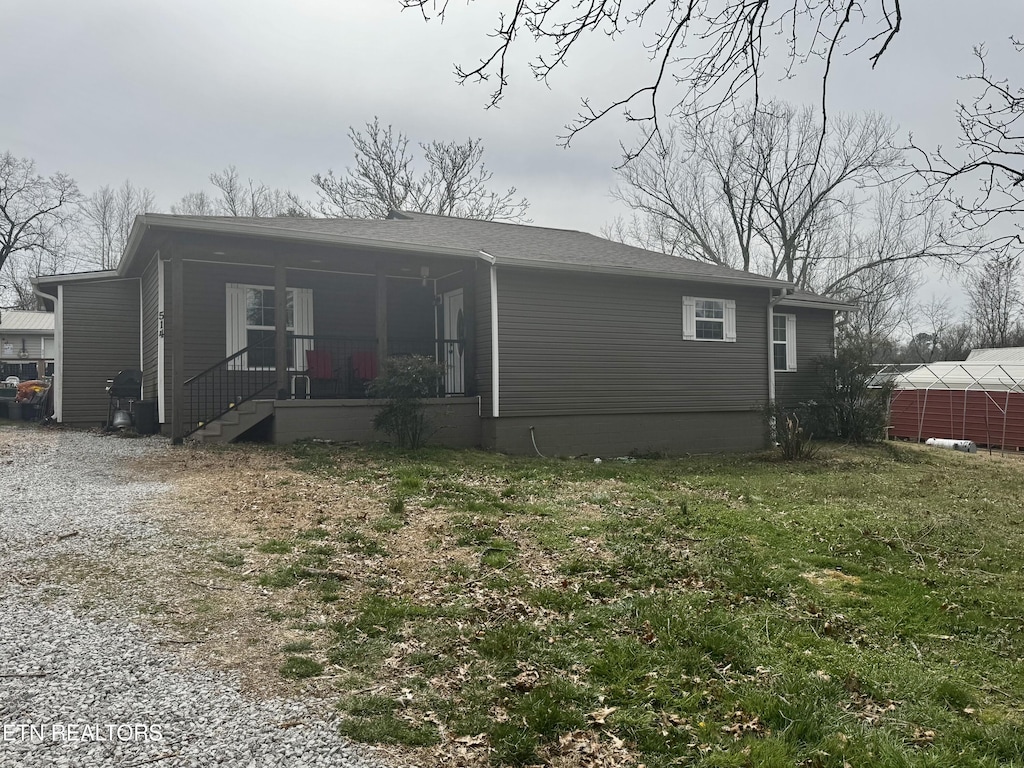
454	343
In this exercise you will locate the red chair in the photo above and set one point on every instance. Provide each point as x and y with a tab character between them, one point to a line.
320	368
364	367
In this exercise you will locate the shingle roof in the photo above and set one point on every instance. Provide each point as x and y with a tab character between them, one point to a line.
20	320
805	299
508	244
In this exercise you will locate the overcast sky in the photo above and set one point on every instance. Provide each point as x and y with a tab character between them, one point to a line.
164	92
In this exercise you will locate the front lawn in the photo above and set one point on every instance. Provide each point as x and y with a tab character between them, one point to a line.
862	609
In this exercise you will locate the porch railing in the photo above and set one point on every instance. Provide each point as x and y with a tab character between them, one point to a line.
333	366
342	366
319	367
450	353
228	384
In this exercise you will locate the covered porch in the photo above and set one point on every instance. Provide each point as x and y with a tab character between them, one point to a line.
315	325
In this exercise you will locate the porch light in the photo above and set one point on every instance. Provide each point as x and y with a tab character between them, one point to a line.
424	274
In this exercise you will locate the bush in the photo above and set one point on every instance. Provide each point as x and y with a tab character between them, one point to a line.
854	405
785	433
404	382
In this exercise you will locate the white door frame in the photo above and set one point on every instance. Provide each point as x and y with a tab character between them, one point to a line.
453	305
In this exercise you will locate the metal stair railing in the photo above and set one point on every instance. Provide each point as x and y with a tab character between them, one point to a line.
226	385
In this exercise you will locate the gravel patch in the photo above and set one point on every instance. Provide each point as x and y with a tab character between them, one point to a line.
97	689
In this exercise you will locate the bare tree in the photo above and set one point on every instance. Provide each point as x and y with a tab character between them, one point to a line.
195	204
758	192
108	216
702	52
936	335
36	213
983	178
994	289
694	192
16	275
33	209
238	197
862	264
249	198
384	178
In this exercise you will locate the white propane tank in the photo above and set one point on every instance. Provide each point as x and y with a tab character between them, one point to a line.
967	446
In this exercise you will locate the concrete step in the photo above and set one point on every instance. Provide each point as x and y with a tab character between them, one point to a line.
235	422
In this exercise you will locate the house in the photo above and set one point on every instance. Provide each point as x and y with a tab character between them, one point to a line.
25	339
552	340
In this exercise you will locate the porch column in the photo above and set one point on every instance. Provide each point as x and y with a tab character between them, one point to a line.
177	330
469	308
281	330
382	316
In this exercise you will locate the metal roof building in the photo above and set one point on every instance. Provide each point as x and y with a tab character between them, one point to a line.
25	338
979	399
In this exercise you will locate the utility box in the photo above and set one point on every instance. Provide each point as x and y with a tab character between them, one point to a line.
145	417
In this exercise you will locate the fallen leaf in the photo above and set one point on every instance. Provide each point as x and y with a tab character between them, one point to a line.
598	716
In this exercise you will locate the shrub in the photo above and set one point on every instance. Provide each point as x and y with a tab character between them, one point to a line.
786	433
403	383
854	405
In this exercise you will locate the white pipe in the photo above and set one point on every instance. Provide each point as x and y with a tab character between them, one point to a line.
44	296
494	341
58	355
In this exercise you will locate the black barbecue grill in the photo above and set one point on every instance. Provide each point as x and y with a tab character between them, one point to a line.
124	389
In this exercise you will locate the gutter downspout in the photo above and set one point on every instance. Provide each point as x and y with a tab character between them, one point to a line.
44	296
772	301
58	347
494	333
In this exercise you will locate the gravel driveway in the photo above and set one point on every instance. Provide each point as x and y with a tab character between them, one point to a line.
81	684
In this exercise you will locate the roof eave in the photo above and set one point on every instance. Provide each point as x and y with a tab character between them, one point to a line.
152	221
822	303
106	274
751	281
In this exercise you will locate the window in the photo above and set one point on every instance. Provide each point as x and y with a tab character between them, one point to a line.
709	319
784	342
251	317
259	327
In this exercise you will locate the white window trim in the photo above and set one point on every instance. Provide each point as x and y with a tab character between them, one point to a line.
690	319
237	336
790	343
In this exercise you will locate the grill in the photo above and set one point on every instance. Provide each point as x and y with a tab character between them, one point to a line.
124	389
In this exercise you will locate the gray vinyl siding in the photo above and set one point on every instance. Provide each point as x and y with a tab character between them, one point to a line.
100	338
815	338
205	310
587	344
150	329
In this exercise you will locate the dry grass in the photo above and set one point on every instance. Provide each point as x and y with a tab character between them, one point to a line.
472	609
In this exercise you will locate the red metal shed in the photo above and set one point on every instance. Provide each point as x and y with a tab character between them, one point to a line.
979	401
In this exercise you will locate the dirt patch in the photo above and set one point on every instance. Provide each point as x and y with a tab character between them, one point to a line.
831	578
225	503
248	515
